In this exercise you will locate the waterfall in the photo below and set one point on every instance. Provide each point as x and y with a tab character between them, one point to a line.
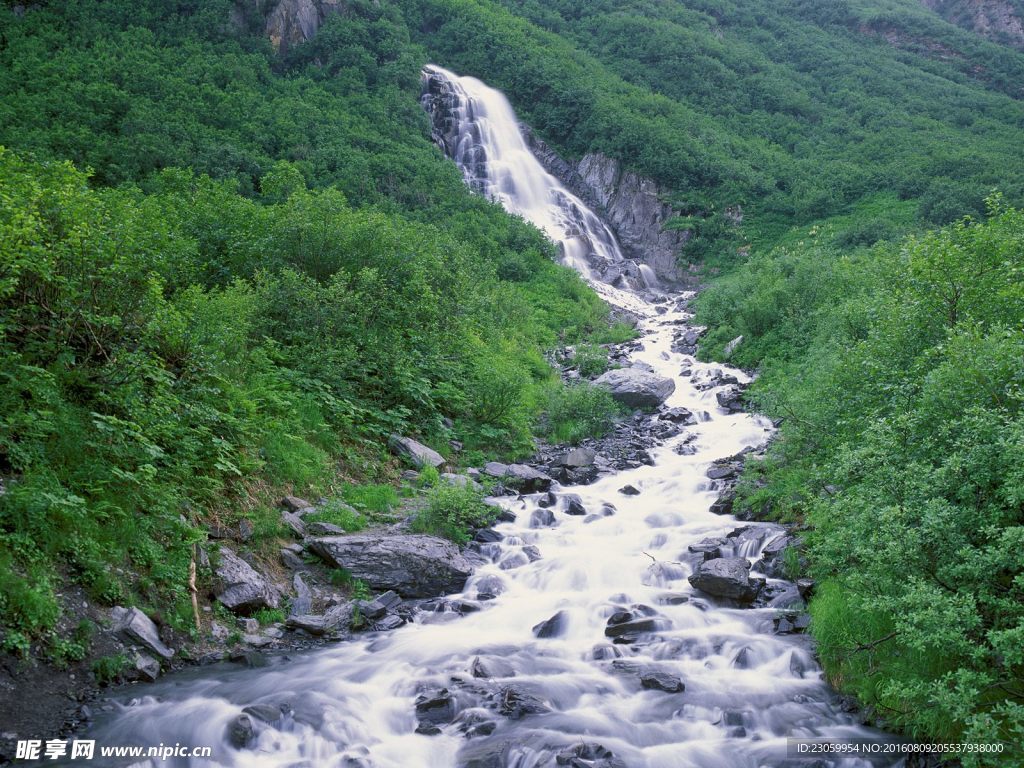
477	128
697	682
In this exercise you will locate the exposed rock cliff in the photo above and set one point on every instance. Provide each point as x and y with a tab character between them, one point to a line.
288	22
998	20
630	204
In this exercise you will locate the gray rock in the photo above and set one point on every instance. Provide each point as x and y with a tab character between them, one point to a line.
495	469
135	627
636	388
295	504
574	504
413	565
415	453
661	681
145	667
459	481
491	667
727	577
294	522
527	479
731	347
302	603
629	490
553	627
577	457
239	587
324	529
337	617
710	548
731	399
241	732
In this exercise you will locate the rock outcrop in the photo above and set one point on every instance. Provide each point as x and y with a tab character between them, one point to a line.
413	565
636	387
240	588
727	577
287	22
998	20
632	206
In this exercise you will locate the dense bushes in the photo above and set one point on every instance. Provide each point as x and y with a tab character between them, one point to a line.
898	373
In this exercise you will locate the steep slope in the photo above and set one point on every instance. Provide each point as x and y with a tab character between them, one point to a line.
998	20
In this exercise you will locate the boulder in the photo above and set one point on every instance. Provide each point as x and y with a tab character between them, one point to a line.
710	548
495	469
434	710
415	453
629	490
413	565
320	528
335	618
727	577
552	627
636	388
240	588
587	755
574	504
144	667
526	479
577	457
542	518
136	627
295	504
294	523
731	399
731	347
241	732
656	680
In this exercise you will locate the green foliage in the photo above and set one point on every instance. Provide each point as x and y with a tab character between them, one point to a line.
107	670
338	513
373	499
267	616
453	511
590	360
898	373
429	477
572	413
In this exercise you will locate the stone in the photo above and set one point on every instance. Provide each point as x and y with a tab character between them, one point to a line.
266	713
459	481
805	587
553	627
487	536
516	702
630	631
731	399
239	587
241	732
727	577
495	469
629	490
679	416
434	710
588	755
577	457
710	548
335	618
526	479
295	504
490	667
302	603
136	627
574	504
415	453
144	667
413	565
661	681
294	522
722	472
636	388
320	528
532	552
542	518
731	347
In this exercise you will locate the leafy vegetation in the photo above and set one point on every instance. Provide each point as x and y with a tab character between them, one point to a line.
898	373
177	342
578	411
453	511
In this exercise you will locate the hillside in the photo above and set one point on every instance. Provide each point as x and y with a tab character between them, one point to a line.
235	262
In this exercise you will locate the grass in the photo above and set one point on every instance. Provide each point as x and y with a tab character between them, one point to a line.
371	498
337	512
578	411
453	511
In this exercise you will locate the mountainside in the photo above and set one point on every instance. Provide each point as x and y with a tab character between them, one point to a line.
235	263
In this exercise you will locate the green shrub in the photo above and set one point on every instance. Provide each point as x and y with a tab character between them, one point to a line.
577	411
590	360
453	511
373	499
107	670
337	512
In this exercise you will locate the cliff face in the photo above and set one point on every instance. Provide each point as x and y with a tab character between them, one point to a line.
288	22
998	20
630	204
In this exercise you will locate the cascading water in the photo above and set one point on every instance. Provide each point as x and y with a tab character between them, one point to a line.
478	129
521	700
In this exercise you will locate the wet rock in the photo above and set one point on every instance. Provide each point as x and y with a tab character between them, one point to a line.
487	536
532	552
516	702
241	732
731	347
266	713
335	618
678	416
136	627
805	587
574	504
415	453
542	518
772	563
661	681
620	617
724	503
434	710
672	598
629	490
489	587
731	399
490	667
636	388
588	755
631	631
376	608
709	548
727	577
553	627
722	471
526	479
513	560
791	623
604	652
239	587
413	565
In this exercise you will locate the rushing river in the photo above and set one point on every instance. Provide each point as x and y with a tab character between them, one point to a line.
353	704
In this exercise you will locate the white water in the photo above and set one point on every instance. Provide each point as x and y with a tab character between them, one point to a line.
747	689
